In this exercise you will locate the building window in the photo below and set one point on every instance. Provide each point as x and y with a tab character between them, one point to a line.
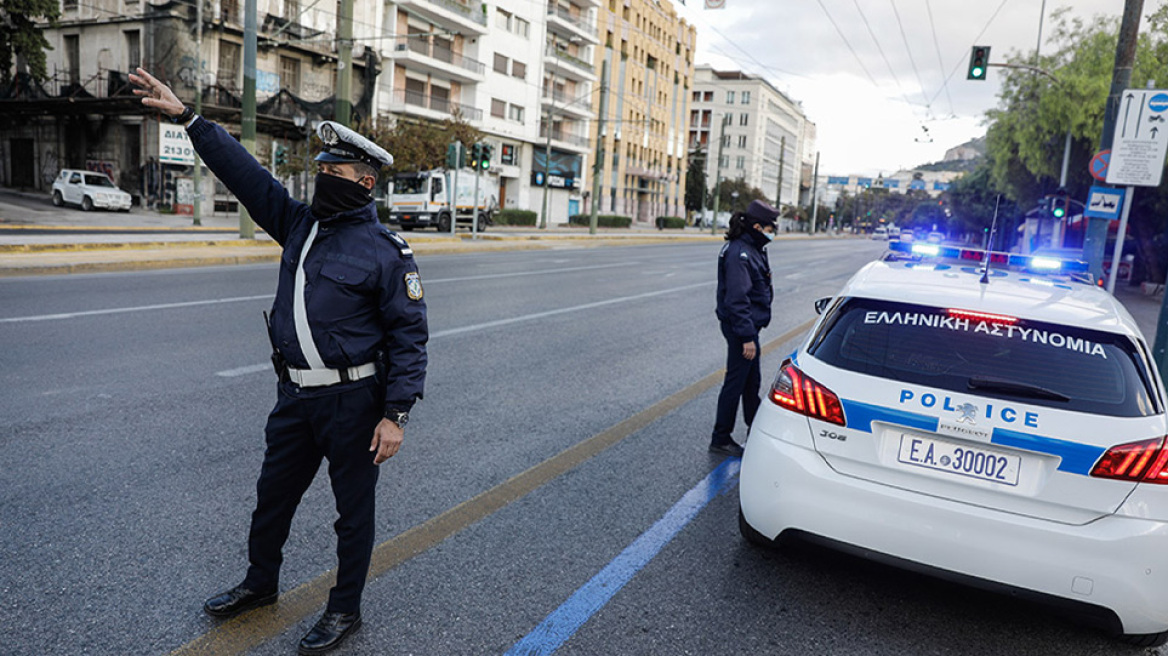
726	141
745	97
697	96
70	4
507	154
522	27
724	161
516	113
742	141
73	58
290	74
498	108
503	19
500	64
729	97
291	9
744	119
229	11
708	96
741	162
519	70
133	50
228	64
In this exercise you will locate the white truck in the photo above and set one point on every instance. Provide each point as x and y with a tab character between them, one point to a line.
425	198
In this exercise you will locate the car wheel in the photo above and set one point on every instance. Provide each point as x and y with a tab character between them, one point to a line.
750	535
443	223
57	200
87	204
484	221
1144	639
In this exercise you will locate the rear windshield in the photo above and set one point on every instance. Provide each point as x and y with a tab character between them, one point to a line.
1040	363
410	185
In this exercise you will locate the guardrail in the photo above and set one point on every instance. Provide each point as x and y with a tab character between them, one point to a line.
434	103
459	8
577	21
423	46
552	51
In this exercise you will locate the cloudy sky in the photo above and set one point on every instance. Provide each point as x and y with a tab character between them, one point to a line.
895	110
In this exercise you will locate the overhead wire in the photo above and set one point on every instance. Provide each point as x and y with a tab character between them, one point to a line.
872	33
848	44
940	62
912	60
956	66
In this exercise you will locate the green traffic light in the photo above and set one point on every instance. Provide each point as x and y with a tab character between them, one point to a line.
978	71
1059	212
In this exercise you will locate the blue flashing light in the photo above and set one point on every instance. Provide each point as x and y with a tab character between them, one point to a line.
1037	263
928	250
1046	263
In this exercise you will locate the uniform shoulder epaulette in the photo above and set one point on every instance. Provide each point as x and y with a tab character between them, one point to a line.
401	244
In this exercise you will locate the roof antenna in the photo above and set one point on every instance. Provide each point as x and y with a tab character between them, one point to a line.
985	265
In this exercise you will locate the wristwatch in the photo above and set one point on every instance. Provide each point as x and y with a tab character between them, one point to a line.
398	417
186	115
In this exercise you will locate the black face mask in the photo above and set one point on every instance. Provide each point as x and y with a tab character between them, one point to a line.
335	194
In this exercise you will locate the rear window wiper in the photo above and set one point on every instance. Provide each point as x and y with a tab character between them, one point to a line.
1015	387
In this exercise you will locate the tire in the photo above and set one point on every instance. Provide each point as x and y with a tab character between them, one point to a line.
57	200
750	535
1144	639
87	204
443	223
484	222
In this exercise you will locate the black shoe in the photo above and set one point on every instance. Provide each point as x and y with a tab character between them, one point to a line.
329	632
236	600
730	448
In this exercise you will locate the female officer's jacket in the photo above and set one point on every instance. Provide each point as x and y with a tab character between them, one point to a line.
744	287
362	293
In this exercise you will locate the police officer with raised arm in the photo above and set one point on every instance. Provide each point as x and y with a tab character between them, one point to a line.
348	326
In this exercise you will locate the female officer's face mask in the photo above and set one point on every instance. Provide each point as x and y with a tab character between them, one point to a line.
335	194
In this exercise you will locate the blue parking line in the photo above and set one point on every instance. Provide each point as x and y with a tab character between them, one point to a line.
564	621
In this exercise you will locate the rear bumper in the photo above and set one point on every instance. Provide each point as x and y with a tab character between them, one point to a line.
1116	563
413	218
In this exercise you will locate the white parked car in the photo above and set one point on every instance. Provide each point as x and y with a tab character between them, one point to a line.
89	190
1006	433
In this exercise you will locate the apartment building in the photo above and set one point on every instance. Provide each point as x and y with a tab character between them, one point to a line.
649	53
85	116
768	141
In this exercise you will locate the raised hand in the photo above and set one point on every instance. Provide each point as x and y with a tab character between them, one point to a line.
156	94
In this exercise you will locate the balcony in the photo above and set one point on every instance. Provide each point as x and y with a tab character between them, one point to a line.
420	54
450	14
566	140
578	107
430	106
569	26
569	66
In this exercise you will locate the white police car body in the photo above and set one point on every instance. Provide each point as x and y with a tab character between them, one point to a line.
1007	433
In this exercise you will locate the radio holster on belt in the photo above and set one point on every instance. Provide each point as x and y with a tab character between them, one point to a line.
278	362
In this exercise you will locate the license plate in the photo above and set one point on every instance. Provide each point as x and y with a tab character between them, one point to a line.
959	459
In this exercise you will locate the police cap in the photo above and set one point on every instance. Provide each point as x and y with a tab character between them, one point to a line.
344	145
761	213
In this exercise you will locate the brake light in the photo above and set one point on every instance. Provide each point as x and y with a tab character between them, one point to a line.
798	392
981	316
1144	461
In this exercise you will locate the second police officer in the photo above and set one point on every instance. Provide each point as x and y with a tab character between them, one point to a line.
744	300
349	332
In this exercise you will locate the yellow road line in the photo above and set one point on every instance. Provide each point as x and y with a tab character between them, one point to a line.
252	629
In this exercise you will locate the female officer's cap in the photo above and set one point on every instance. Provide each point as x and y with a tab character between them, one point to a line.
762	213
344	145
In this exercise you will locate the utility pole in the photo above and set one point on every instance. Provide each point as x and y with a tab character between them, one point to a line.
344	63
247	122
782	161
598	163
718	176
1125	56
815	193
198	218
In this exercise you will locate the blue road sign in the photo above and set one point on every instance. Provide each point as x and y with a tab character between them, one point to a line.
1104	203
1158	102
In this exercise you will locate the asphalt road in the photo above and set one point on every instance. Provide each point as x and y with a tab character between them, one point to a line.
131	436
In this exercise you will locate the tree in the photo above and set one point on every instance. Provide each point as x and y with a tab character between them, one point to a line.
1028	129
421	145
22	40
727	201
695	182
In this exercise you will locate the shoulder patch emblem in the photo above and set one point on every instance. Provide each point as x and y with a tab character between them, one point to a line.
397	241
414	286
743	256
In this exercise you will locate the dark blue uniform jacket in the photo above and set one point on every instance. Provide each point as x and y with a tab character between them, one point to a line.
356	294
744	288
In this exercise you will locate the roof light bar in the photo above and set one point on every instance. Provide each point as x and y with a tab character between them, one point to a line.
1038	263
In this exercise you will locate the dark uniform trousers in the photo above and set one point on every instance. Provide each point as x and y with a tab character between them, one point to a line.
302	429
743	379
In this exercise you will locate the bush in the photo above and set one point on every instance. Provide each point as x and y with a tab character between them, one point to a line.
383	214
603	221
670	223
513	217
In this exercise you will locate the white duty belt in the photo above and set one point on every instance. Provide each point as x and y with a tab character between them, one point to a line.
316	375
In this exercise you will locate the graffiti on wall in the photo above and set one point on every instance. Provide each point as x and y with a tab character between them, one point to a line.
49	167
105	166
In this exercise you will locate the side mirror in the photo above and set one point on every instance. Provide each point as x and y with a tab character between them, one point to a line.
822	303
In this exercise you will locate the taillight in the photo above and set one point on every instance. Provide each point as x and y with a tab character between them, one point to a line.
798	392
1144	461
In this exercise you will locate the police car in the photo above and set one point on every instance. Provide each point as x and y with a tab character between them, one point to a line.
1003	427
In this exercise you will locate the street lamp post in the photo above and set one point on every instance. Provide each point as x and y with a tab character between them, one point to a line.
306	128
547	149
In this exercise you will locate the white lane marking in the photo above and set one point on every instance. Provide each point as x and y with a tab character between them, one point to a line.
170	306
140	308
512	320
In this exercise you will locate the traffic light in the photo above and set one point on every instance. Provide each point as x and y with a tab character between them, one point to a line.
452	155
979	62
485	156
281	155
1058	204
475	156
